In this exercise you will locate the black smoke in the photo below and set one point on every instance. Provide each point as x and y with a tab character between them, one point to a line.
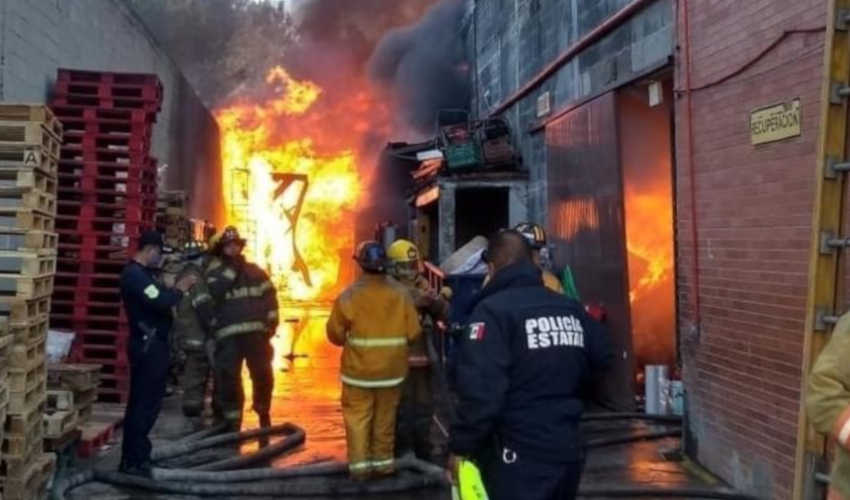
424	65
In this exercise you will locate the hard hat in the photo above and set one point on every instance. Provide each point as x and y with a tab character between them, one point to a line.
194	248
371	256
534	233
230	235
403	251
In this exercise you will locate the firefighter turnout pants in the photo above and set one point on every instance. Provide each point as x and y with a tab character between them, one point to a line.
415	413
370	417
149	367
256	350
507	476
196	374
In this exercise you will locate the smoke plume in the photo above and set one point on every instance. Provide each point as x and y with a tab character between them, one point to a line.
424	66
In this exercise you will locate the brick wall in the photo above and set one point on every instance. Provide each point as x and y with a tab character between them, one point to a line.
39	36
754	205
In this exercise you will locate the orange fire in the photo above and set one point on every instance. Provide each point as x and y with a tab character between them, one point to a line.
292	183
298	242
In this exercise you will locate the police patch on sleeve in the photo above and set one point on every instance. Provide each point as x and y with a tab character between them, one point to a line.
476	331
152	292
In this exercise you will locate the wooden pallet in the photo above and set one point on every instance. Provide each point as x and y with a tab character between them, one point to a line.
26	263
27	198
22	380
21	432
60	399
6	341
26	219
30	331
28	355
27	178
32	113
17	311
21	403
4	395
20	156
30	134
24	240
33	483
58	423
76	377
26	287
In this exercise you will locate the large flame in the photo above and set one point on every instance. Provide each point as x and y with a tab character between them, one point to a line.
268	171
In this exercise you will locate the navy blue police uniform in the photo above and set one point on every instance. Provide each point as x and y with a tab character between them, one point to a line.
523	369
148	305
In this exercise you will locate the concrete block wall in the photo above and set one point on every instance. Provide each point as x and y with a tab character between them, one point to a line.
39	36
753	214
513	40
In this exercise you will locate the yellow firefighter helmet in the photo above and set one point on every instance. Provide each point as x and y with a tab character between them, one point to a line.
403	251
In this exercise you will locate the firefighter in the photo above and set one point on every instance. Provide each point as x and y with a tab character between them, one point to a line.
536	237
828	403
242	316
523	366
417	395
374	320
148	306
191	334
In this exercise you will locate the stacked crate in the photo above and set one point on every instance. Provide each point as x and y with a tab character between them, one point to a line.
71	394
107	198
30	138
172	218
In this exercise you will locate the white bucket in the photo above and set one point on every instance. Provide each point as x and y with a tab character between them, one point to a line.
656	390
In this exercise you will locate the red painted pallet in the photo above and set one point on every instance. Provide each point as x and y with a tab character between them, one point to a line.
92	114
113	174
99	226
95	435
119	78
106	256
107	103
89	311
105	185
125	157
108	166
129	213
76	295
106	266
109	90
113	396
104	197
87	281
108	143
106	127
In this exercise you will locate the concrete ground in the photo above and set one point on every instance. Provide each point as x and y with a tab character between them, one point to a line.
307	393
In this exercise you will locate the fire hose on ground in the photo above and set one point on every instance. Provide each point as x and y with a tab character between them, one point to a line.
229	477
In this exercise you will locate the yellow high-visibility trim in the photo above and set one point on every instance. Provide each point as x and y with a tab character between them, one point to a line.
200	299
152	292
358	466
238	328
229	274
371	384
383	463
384	342
249	291
193	342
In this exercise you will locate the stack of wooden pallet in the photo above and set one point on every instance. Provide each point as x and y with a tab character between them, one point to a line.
71	394
172	218
30	140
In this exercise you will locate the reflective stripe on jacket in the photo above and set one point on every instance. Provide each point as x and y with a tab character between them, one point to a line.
374	321
188	328
828	402
244	299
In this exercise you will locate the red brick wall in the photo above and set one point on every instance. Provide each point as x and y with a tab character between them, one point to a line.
754	217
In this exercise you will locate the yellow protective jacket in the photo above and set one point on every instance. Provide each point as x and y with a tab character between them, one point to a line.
828	403
374	321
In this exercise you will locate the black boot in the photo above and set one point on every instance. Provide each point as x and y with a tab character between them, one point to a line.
265	423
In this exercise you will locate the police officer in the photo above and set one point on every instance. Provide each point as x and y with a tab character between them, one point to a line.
526	359
243	316
148	306
417	407
190	333
374	320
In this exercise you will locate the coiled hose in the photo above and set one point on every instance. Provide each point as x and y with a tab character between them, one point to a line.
219	479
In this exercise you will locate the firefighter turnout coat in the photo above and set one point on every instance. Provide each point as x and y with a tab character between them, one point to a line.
187	325
244	299
374	320
431	310
523	369
828	403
